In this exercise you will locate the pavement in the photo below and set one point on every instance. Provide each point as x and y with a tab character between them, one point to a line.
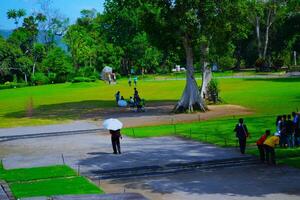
117	196
241	183
31	130
94	152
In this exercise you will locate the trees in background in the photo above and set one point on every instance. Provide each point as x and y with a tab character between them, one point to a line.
152	36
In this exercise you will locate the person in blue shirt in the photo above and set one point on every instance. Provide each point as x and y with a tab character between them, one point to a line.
135	80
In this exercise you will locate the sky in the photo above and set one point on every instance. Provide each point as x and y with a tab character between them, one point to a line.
68	8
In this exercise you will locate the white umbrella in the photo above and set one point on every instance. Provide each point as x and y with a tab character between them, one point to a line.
112	124
122	103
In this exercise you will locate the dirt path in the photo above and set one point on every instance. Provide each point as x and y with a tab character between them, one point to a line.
161	114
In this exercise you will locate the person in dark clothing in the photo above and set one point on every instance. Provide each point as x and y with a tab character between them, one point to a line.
135	95
260	145
117	96
296	122
129	81
115	141
283	136
289	128
242	134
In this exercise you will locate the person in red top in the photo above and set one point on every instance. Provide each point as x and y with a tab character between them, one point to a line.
260	145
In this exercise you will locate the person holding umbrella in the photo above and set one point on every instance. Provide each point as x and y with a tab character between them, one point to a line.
114	126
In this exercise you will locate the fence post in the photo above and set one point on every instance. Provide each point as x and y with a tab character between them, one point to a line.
133	132
199	119
174	129
63	158
78	170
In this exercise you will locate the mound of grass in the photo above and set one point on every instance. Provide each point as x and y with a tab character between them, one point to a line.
47	181
30	174
57	186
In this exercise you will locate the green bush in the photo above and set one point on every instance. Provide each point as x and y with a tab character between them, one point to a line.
9	85
213	91
39	79
82	79
227	62
118	76
52	77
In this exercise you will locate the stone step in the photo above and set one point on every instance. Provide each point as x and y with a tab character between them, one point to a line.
51	134
172	168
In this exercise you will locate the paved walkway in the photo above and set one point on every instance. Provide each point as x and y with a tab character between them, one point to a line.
72	126
242	183
117	196
93	152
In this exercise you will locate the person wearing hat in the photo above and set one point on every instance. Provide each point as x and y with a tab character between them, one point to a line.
269	146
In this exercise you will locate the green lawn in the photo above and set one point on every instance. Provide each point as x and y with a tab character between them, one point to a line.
218	131
62	102
58	186
47	181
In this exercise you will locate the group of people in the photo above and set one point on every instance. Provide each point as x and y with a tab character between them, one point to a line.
135	79
287	135
133	102
288	126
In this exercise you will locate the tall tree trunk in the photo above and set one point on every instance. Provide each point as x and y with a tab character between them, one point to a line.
269	24
33	68
191	99
25	78
206	71
257	24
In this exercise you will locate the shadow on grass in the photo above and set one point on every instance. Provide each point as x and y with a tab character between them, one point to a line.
89	109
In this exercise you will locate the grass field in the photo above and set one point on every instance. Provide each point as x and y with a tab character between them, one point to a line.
62	102
46	181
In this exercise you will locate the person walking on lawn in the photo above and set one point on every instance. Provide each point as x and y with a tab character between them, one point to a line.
115	141
290	132
260	145
269	146
242	134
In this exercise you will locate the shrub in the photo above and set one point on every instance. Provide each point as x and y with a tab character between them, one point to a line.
82	79
227	62
52	77
118	76
278	63
213	91
9	85
261	65
39	79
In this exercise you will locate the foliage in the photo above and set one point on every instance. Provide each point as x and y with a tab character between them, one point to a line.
82	79
39	79
58	63
213	91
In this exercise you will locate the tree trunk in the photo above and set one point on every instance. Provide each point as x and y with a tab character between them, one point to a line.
258	36
269	24
25	77
33	68
206	71
191	99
